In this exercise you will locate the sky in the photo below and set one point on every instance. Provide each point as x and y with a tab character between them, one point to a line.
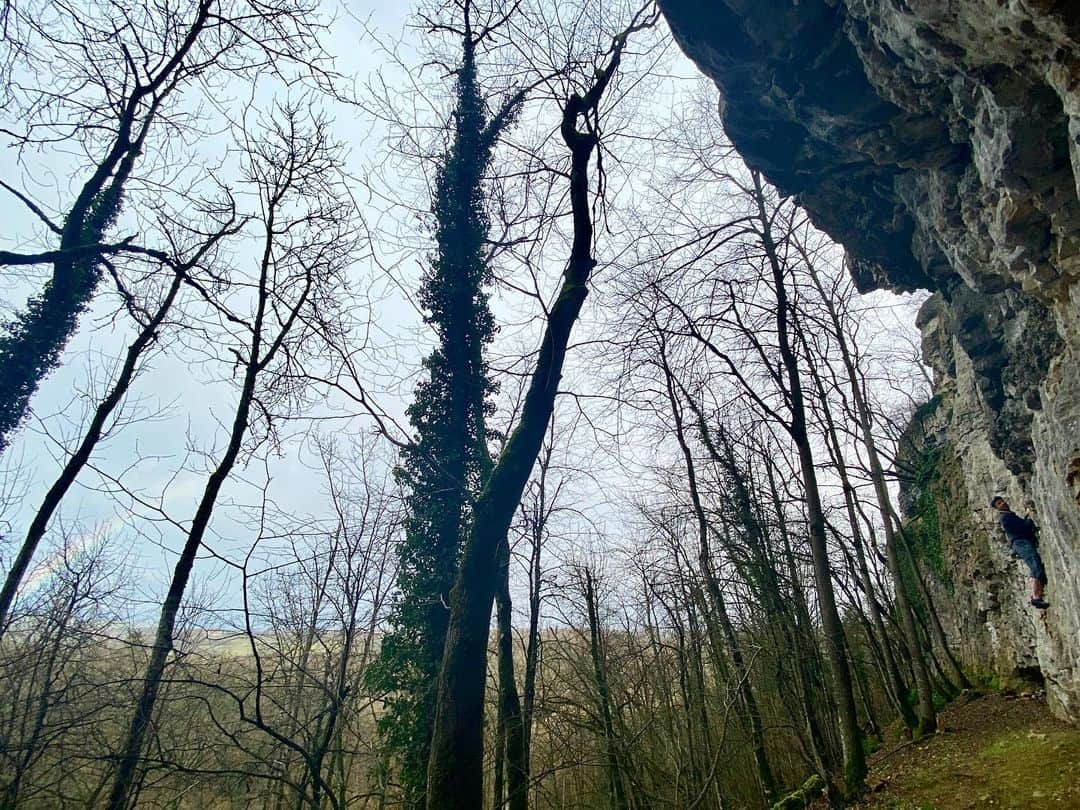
180	407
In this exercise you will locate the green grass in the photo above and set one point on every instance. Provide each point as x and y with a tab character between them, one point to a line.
1017	769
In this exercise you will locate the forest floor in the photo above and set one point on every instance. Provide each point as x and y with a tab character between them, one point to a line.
995	750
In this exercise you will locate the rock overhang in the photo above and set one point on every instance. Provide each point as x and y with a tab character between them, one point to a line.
932	162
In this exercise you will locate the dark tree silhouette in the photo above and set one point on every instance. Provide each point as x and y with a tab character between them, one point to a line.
306	243
455	766
444	465
150	325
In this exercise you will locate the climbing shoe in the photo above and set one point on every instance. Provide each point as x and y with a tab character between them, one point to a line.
1041	604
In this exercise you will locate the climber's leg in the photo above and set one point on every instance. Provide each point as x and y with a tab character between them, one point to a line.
1027	552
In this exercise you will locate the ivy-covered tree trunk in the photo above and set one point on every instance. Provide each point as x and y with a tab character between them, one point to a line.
455	766
31	343
444	466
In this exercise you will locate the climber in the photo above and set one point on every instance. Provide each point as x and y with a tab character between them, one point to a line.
1023	537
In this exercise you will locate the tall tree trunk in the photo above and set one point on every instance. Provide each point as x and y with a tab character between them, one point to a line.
703	753
512	756
455	765
927	716
498	770
611	741
261	349
536	522
836	644
123	780
807	665
532	645
449	458
766	782
872	725
894	683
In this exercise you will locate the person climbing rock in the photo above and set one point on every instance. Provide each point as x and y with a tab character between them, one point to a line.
1023	537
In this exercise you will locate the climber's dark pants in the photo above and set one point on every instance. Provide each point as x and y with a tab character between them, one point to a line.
1026	551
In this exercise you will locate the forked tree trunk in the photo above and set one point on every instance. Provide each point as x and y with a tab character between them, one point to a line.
31	345
261	350
455	765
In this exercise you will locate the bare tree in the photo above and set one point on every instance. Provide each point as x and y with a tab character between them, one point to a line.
117	87
54	691
927	718
894	682
712	586
456	764
150	319
616	777
307	241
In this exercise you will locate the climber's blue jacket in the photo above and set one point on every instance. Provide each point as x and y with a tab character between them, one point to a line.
1018	528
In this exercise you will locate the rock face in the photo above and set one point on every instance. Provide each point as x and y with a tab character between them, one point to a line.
940	143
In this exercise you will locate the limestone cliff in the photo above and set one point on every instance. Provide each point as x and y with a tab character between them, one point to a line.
940	143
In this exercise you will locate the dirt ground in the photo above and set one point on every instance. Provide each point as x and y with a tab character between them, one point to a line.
994	751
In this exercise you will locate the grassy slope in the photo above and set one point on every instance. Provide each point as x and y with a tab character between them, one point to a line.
995	751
